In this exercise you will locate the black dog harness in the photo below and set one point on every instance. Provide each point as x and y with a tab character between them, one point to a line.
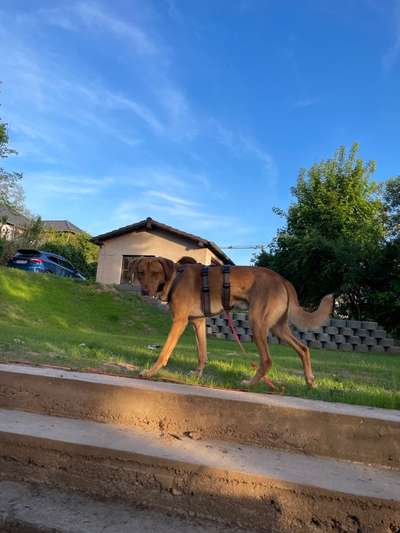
205	296
205	290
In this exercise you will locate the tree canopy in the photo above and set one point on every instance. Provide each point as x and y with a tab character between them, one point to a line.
336	236
11	192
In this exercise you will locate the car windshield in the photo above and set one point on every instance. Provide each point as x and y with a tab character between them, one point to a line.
28	253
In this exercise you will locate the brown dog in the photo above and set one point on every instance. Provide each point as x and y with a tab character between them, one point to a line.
270	299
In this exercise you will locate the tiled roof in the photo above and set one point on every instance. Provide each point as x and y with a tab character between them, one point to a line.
149	224
62	226
17	220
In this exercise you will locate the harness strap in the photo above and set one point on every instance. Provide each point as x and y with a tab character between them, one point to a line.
178	274
226	288
205	292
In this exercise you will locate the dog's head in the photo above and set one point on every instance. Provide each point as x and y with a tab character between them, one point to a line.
153	273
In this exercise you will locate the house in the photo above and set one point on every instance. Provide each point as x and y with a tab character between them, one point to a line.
61	226
150	238
11	224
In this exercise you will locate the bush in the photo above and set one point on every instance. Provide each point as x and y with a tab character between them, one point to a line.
29	238
77	248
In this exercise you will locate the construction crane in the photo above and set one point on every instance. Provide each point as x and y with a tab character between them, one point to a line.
244	247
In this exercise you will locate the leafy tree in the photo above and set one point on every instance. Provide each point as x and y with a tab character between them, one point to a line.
381	282
332	228
12	200
11	192
392	204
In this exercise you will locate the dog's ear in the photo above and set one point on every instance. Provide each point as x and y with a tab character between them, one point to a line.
168	267
186	260
133	268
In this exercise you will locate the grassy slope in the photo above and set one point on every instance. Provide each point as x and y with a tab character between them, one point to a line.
44	319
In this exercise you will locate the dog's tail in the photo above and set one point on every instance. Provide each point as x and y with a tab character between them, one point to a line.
303	319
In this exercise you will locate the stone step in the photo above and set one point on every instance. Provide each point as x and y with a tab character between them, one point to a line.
363	434
266	489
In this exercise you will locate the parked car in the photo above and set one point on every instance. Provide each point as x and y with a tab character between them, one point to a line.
45	262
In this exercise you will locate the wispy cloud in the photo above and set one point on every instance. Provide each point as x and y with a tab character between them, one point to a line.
170	198
391	55
45	102
117	101
176	209
241	145
174	12
40	80
53	184
305	102
193	218
145	122
91	16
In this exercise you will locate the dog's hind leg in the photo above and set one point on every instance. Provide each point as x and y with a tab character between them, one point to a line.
199	326
178	327
283	331
260	330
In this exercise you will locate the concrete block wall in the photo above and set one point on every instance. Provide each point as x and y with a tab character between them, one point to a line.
345	335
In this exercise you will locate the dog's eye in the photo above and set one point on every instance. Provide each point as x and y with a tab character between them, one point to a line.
141	272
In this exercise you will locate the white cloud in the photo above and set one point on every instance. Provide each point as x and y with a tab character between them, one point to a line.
171	212
94	15
169	198
78	16
305	102
243	146
57	108
117	101
56	185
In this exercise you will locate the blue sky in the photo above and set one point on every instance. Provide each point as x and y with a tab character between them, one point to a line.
198	114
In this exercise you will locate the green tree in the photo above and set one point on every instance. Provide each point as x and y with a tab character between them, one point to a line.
12	200
381	282
334	225
11	192
392	203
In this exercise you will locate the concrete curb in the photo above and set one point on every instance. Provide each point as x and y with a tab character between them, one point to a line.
253	487
339	431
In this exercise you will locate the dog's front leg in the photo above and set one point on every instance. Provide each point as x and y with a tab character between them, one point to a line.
178	327
199	325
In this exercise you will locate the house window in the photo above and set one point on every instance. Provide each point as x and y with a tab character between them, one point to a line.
126	259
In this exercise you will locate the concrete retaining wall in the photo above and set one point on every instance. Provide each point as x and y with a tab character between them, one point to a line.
345	335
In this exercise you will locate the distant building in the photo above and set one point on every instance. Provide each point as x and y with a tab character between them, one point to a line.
11	224
152	239
61	226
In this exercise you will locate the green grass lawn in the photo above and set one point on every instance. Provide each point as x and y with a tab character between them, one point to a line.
48	320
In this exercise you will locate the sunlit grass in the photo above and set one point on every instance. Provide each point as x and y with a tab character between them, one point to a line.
47	320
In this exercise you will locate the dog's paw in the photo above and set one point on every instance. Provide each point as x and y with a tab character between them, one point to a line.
196	373
146	373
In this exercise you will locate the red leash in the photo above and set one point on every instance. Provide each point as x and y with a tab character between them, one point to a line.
267	380
234	332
